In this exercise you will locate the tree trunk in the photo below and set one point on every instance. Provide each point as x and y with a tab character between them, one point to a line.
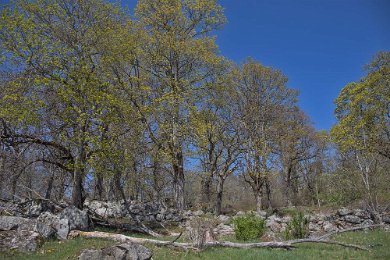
77	191
156	186
178	181
98	193
50	184
14	183
117	188
288	187
206	191
2	174
258	197
268	191
60	189
218	202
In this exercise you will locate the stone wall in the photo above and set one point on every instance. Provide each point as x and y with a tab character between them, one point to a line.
146	212
319	223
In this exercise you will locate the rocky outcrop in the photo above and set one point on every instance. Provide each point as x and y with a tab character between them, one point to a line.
50	226
20	240
78	219
126	251
145	212
29	208
47	224
319	223
59	226
223	230
12	223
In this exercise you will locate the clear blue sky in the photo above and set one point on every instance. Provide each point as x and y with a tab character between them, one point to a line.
321	45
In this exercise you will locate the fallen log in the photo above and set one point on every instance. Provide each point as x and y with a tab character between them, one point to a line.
274	244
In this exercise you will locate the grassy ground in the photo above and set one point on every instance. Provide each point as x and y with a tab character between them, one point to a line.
378	242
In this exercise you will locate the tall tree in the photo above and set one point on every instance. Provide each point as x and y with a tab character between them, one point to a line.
295	144
363	128
60	48
216	137
179	57
263	97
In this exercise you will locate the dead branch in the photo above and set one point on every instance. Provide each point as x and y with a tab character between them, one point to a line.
284	245
137	227
173	241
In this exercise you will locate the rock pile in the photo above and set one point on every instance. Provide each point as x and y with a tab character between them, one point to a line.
318	223
145	212
26	234
126	251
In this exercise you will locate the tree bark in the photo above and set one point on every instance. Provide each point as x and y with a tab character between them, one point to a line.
206	190
218	202
287	191
268	191
273	244
98	193
258	197
50	184
178	181
77	191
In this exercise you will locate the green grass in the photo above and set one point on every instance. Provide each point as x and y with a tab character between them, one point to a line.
378	241
69	249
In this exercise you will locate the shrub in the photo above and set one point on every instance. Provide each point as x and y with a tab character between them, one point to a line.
248	227
298	227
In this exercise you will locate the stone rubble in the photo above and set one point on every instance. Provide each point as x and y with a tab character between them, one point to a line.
146	212
34	221
125	251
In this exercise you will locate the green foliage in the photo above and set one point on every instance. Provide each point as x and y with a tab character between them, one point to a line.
298	227
362	109
248	227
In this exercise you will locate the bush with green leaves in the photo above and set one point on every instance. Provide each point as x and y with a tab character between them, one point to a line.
298	227
248	227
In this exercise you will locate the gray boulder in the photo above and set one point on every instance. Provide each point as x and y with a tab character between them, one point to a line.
353	219
29	225
11	223
49	225
344	211
361	214
126	251
78	219
198	213
33	208
386	219
20	240
223	218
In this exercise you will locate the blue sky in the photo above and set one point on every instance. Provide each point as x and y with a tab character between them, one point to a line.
321	45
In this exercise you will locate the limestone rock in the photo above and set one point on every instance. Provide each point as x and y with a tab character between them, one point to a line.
20	240
386	218
344	212
126	251
329	227
11	223
223	218
353	219
78	219
198	213
223	230
49	225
